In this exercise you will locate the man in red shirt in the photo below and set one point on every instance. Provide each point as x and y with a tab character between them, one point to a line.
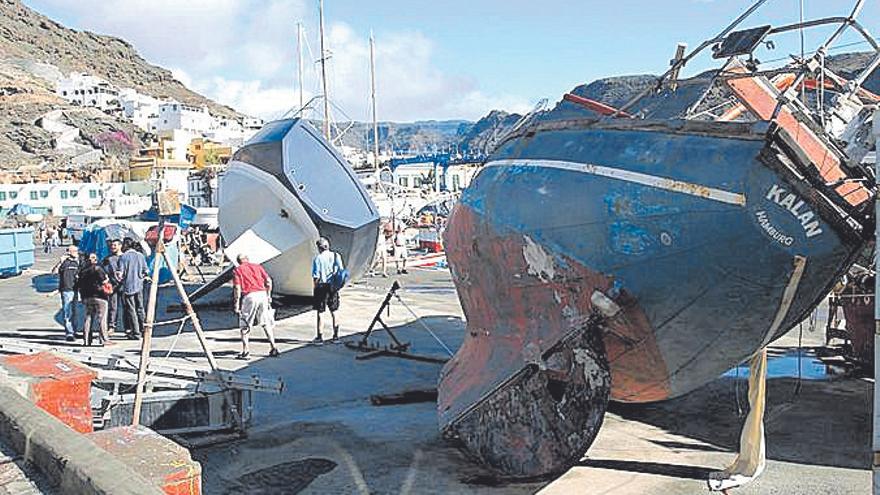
252	289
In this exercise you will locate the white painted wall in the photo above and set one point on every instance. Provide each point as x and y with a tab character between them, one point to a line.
59	198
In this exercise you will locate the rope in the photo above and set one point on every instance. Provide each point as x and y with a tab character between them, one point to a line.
405	305
173	343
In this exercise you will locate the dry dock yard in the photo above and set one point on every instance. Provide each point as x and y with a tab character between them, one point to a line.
323	434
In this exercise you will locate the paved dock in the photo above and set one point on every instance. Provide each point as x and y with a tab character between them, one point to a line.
322	435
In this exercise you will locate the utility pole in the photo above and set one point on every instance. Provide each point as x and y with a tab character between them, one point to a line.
299	52
373	94
324	73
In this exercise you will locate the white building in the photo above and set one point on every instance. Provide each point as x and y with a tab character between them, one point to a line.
174	115
452	178
204	189
227	131
141	109
64	198
252	123
88	91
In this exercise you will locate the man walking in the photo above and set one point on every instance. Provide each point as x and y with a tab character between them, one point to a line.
134	268
111	267
68	270
326	296
252	290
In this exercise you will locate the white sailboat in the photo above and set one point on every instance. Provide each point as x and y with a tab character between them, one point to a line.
287	187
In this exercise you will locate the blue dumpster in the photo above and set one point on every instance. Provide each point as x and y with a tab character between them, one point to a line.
16	250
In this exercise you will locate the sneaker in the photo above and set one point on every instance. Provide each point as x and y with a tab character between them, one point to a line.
244	356
274	353
318	340
69	338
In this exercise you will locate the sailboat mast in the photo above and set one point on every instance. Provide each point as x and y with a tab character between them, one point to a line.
373	95
324	73
299	52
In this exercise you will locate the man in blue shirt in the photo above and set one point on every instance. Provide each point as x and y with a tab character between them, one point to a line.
134	269
324	266
114	272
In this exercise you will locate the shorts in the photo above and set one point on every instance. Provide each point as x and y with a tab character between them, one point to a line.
325	298
255	310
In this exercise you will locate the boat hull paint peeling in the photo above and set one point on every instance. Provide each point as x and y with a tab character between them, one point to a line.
668	241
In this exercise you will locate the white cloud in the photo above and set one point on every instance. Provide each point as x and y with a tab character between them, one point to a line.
243	54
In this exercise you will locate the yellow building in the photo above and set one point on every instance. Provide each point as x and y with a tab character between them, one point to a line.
203	152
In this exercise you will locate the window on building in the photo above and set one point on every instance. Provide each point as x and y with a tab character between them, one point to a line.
456	182
417	182
64	194
13	194
73	193
404	181
44	194
93	194
34	195
2	195
64	93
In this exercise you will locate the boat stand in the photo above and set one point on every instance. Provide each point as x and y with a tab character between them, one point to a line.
397	349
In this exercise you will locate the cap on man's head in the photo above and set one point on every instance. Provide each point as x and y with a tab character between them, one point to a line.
323	244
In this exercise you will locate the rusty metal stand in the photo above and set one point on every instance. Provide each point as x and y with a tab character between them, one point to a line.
397	349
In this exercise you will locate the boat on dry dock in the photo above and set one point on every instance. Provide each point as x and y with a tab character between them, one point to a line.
637	253
283	189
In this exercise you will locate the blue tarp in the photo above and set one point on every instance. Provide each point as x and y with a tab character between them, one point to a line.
20	209
184	219
96	235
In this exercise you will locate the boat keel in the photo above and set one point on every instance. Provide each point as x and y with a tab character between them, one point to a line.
545	417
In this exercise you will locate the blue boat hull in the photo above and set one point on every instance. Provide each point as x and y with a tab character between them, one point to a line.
695	247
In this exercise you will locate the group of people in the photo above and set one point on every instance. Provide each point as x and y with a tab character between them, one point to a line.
252	296
111	291
392	243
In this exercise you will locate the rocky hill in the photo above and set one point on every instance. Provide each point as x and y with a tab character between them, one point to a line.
28	35
34	52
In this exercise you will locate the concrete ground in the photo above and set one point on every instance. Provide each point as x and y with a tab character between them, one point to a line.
16	478
322	435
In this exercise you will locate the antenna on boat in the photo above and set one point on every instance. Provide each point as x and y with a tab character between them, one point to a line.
373	97
324	73
299	54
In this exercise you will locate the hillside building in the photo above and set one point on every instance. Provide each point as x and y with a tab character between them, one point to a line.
203	152
64	198
178	116
141	109
89	91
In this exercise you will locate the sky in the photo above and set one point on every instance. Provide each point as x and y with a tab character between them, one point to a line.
435	60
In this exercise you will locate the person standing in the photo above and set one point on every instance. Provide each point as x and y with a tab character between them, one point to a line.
324	266
91	285
381	257
115	303
252	290
134	269
68	270
400	253
47	241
